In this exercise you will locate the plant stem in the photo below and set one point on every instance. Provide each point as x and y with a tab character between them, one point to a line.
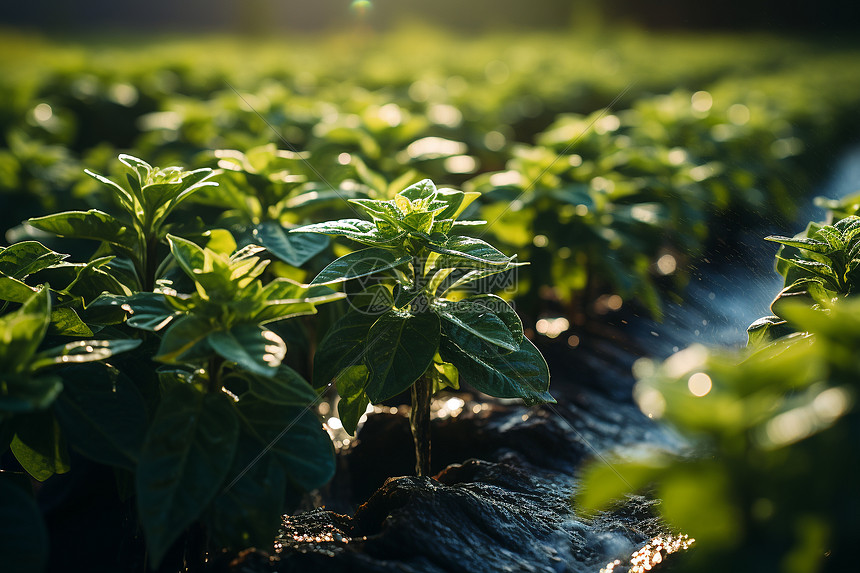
151	264
419	420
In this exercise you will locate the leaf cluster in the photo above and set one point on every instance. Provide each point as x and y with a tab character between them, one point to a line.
819	265
401	326
140	224
759	420
224	432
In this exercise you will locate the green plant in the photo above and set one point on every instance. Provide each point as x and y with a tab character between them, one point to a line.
45	406
840	208
263	191
402	332
32	262
771	483
225	396
760	420
223	436
820	265
135	233
595	214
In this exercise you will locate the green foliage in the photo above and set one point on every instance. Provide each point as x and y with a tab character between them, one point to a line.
225	314
759	420
595	201
177	429
765	420
184	461
262	190
819	265
26	386
32	398
401	321
27	262
215	339
612	201
144	206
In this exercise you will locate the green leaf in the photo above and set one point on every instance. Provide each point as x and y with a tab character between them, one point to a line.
66	322
765	330
351	385
23	536
24	393
420	222
473	276
384	210
801	243
102	414
703	488
286	386
92	224
161	198
83	351
285	299
445	376
187	455
461	251
816	268
249	513
398	350
358	230
94	279
252	347
358	264
605	483
342	346
295	435
106	309
27	257
810	291
22	331
424	189
14	290
188	255
488	317
521	374
39	446
457	202
141	168
294	249
184	339
149	311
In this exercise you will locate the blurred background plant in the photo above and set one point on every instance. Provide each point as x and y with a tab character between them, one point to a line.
606	187
767	481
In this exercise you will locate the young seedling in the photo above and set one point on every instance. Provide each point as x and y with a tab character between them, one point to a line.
820	266
226	398
406	331
135	232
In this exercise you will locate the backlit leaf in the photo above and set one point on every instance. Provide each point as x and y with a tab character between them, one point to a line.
399	348
250	346
521	374
358	264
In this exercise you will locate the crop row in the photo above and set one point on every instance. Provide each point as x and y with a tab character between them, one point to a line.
623	195
183	278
